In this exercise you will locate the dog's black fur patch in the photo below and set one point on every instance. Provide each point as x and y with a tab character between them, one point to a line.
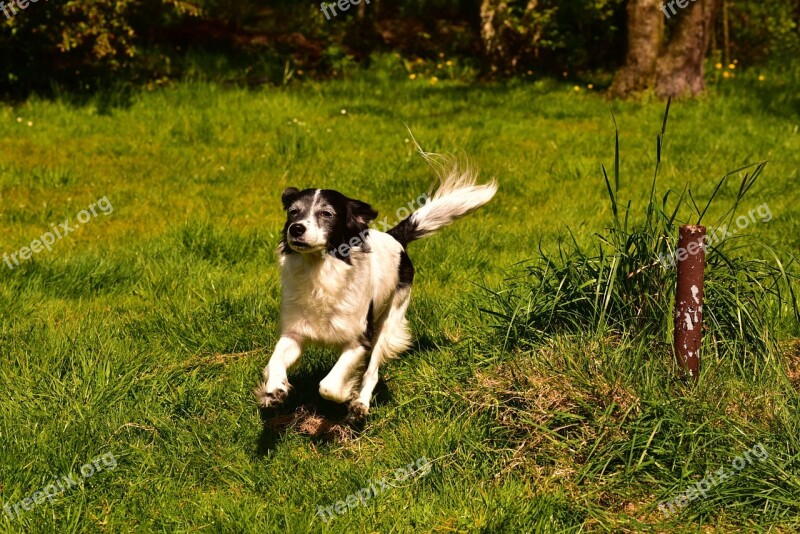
369	332
405	232
289	195
350	223
405	270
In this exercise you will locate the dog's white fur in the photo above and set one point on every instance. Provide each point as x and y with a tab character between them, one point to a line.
326	300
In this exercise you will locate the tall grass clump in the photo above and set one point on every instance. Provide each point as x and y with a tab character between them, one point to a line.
622	284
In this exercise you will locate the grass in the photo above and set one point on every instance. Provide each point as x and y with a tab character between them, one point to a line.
144	331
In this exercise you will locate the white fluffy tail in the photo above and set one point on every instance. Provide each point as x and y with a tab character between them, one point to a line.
457	195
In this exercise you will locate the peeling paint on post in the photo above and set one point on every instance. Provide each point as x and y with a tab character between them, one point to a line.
691	256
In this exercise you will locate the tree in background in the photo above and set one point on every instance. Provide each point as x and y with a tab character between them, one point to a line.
671	67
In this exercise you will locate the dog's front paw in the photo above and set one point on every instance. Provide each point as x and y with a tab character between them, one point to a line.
356	413
270	399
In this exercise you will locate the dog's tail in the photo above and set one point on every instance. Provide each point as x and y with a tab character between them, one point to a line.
457	196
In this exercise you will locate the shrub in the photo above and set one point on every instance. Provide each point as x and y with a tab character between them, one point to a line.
77	42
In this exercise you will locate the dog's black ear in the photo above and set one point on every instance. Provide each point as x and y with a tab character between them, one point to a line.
361	212
289	196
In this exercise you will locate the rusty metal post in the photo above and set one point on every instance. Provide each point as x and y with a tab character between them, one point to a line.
691	256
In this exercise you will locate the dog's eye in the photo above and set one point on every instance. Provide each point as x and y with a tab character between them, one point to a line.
326	213
293	212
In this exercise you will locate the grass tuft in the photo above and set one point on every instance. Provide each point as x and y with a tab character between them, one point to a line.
622	283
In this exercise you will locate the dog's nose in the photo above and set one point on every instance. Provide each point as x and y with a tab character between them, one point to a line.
296	230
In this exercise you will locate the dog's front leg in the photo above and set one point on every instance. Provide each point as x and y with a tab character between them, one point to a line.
275	388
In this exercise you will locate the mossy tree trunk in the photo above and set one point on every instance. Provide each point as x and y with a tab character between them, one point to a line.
674	67
681	68
645	38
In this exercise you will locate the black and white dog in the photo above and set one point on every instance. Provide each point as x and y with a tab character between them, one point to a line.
347	286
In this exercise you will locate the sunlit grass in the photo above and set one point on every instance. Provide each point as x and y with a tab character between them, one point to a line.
144	332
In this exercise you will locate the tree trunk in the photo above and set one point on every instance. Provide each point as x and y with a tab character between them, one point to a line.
681	69
645	38
675	68
502	43
493	29
362	35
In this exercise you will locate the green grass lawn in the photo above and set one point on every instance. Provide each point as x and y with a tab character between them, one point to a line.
143	332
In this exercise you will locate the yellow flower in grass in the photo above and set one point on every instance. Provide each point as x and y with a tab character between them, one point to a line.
590	86
726	74
718	66
412	76
449	63
576	88
434	80
732	66
761	77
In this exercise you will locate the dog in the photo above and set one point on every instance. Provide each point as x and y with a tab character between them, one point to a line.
347	286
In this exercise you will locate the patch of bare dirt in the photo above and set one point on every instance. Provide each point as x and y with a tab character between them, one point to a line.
792	354
308	422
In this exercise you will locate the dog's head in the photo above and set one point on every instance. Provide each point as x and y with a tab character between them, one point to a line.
320	220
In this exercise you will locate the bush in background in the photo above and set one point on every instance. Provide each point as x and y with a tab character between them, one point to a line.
83	45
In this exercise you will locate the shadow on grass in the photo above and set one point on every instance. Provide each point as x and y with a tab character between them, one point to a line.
306	412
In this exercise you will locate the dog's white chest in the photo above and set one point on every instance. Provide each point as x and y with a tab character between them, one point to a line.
321	301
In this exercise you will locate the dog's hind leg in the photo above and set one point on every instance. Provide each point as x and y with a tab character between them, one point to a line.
275	388
341	380
392	340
